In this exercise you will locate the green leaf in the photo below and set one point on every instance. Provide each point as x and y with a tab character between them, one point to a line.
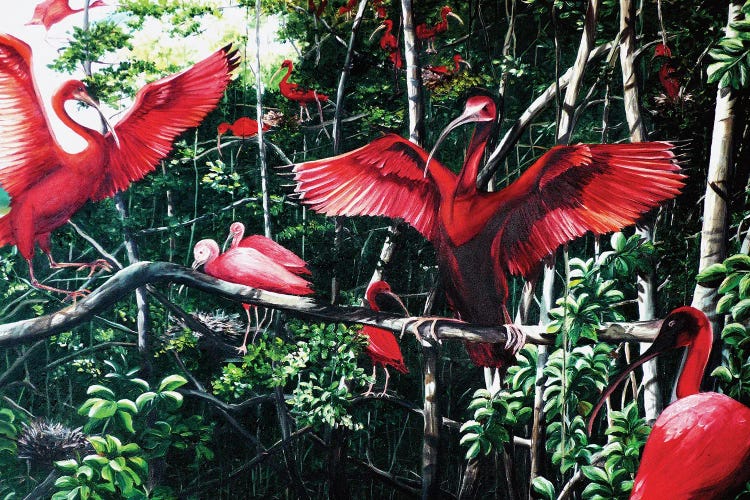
544	487
103	409
143	399
126	404
712	274
726	303
66	465
473	450
172	382
595	474
722	373
741	310
126	419
738	262
100	389
731	282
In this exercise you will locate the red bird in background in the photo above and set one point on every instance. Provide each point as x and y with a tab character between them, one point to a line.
52	12
250	267
346	9
699	446
429	33
389	43
667	72
318	11
242	127
382	346
479	236
47	185
296	93
436	76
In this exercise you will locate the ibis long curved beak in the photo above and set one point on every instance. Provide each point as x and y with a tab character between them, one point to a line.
196	264
276	73
465	63
659	346
468	116
86	98
379	28
229	238
456	16
398	300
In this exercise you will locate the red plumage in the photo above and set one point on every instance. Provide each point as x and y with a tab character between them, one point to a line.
242	127
699	446
295	92
668	72
346	8
52	12
428	33
283	256
480	236
46	184
389	43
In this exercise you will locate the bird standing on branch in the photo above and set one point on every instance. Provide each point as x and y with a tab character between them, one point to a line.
480	237
389	43
382	346
47	185
251	267
298	94
428	33
243	127
699	446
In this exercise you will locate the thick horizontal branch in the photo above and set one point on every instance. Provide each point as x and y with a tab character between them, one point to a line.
143	273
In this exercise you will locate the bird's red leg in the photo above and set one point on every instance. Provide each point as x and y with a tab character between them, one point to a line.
243	348
417	322
92	266
72	294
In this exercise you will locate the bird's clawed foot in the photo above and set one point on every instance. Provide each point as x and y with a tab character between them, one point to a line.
417	322
69	294
516	338
242	349
91	266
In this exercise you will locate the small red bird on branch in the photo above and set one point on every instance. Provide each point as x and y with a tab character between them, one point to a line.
428	33
480	237
382	346
47	185
297	93
389	43
699	446
243	127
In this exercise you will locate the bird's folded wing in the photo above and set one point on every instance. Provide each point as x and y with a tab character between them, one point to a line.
162	111
27	149
274	251
385	177
586	187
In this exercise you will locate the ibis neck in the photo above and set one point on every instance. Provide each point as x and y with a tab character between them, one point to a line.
89	135
695	364
288	74
467	181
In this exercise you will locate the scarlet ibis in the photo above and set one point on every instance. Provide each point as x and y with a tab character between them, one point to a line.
382	346
667	72
318	11
435	76
699	446
247	266
429	33
444	70
242	127
296	93
283	256
389	43
34	164
52	12
380	11
479	236
346	9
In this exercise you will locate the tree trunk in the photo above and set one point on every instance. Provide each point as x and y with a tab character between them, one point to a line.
259	118
646	283
713	247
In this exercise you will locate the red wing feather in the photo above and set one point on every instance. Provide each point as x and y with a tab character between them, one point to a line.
27	149
383	348
162	111
275	252
575	189
385	177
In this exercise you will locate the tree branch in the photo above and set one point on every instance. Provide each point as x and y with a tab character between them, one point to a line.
142	273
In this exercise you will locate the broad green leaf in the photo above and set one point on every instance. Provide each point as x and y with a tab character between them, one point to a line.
102	409
101	390
712	274
544	487
172	382
741	310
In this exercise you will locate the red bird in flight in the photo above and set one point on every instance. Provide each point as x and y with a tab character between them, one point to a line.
699	446
52	12
480	237
47	185
382	346
429	33
251	267
295	92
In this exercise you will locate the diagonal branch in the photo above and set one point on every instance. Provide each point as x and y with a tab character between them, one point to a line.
142	273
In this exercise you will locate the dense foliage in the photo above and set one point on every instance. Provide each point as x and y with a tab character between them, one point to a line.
188	417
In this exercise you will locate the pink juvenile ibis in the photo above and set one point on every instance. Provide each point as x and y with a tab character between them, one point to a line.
283	256
699	446
389	43
479	236
296	93
52	12
382	346
34	165
243	127
429	33
247	266
667	72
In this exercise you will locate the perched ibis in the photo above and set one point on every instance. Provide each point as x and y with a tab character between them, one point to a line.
480	237
243	127
428	33
47	185
295	92
279	254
